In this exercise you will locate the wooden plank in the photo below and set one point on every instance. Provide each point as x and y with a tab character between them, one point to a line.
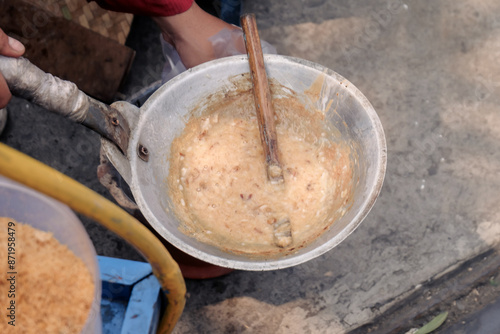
96	64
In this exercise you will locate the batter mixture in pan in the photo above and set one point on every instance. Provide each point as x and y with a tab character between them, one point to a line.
218	181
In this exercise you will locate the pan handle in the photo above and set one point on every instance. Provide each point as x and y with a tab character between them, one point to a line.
64	98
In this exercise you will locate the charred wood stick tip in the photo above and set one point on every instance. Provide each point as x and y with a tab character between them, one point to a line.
282	233
275	174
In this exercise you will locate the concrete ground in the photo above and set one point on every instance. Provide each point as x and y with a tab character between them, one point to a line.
432	72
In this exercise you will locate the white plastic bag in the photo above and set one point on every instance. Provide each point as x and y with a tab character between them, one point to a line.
226	43
173	64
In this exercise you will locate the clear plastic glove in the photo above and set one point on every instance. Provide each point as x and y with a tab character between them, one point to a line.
173	63
225	43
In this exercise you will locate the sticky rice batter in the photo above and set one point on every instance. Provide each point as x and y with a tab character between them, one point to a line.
218	181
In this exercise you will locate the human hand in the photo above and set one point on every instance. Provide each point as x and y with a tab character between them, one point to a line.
9	47
190	33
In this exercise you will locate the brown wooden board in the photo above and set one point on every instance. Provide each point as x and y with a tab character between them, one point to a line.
96	64
89	15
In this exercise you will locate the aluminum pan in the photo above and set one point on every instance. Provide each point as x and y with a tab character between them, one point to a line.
161	119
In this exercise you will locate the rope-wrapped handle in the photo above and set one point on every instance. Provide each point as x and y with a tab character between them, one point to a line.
64	98
28	81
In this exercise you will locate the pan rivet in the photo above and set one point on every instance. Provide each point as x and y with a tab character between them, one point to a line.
115	121
143	153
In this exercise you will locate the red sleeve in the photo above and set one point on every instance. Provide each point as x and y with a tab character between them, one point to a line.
147	7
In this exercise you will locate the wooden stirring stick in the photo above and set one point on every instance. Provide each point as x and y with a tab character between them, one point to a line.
262	95
282	230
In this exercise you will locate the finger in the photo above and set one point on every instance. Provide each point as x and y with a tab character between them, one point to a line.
5	94
9	46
